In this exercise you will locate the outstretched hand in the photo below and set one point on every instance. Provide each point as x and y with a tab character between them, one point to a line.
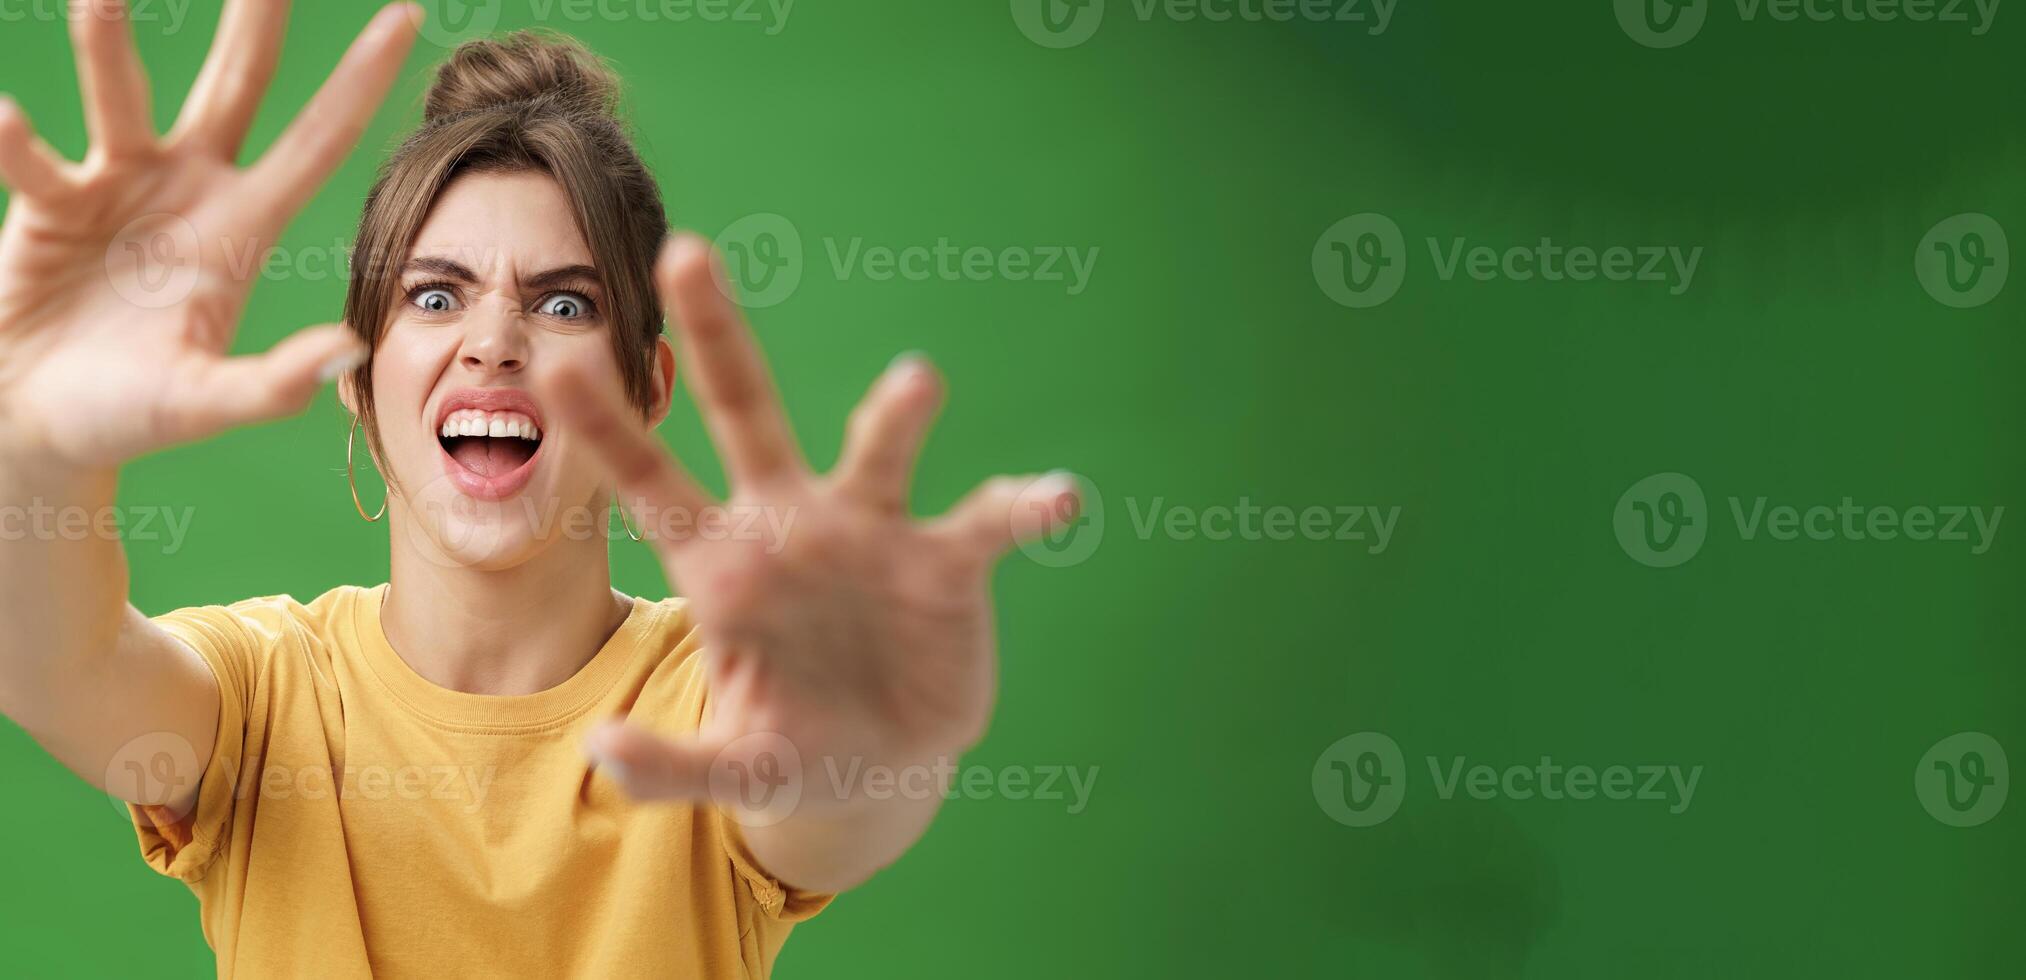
122	278
859	637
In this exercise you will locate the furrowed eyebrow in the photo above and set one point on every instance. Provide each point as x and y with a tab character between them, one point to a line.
439	267
564	276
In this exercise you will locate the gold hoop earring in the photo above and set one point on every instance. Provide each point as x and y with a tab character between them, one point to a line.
353	481
623	522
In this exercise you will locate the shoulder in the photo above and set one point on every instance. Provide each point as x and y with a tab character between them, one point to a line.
666	630
241	639
666	653
271	617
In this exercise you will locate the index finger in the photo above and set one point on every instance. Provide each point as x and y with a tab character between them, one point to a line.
727	371
647	472
327	129
222	104
109	72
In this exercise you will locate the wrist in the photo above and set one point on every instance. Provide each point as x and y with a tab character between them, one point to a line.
844	788
28	473
848	825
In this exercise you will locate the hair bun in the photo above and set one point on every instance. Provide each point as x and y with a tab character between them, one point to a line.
520	68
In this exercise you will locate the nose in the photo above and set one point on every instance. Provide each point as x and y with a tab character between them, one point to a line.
495	341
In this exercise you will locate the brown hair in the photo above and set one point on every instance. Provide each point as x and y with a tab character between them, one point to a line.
523	102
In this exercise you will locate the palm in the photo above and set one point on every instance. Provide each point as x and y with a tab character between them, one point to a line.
859	634
122	279
874	635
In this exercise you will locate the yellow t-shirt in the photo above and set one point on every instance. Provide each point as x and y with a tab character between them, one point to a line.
357	820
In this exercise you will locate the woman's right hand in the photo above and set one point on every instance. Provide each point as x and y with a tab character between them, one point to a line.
122	279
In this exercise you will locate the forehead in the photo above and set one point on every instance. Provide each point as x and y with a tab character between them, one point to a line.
495	221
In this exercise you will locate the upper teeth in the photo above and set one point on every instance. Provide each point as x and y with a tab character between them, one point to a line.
497	425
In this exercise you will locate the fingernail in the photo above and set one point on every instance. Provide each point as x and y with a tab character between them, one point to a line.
687	244
340	364
911	364
598	745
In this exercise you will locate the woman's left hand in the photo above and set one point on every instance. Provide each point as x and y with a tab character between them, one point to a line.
857	640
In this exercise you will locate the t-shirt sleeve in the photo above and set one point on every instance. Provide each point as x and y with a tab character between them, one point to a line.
183	844
780	901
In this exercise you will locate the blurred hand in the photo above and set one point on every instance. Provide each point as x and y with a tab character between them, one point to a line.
861	636
122	279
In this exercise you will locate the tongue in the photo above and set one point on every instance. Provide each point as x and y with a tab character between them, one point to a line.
492	457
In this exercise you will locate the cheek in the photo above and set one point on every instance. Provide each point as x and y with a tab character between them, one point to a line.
406	364
590	351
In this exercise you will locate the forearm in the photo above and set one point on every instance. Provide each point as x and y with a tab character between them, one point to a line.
81	670
65	579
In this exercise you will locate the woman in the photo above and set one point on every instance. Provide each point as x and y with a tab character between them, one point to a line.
457	773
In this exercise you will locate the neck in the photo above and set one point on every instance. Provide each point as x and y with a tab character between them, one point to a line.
508	631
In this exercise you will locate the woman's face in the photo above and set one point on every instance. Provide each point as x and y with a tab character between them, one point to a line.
498	286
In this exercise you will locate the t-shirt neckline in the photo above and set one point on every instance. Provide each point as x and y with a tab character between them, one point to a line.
510	713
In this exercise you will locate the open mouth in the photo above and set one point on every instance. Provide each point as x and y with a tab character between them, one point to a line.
491	438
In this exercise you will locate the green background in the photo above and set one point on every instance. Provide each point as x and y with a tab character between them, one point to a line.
1204	364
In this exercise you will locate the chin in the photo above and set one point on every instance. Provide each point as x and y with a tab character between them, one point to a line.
456	530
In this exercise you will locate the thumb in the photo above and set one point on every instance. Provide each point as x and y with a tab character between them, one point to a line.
755	779
238	391
650	767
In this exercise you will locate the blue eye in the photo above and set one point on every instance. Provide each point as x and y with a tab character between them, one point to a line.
568	306
435	300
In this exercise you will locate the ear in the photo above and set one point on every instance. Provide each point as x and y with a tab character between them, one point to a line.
664	381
